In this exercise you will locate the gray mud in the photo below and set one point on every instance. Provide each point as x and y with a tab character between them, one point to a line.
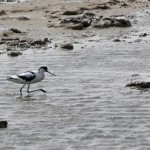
87	106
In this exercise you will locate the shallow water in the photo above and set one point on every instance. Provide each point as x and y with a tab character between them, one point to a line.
87	105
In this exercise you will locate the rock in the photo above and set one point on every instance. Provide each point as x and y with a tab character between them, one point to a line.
75	26
101	7
5	34
139	84
15	30
121	22
87	19
2	12
23	18
92	16
14	54
67	46
77	23
143	35
3	124
111	22
116	40
124	5
73	12
101	24
40	42
23	43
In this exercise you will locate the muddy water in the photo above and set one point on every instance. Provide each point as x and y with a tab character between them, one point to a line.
87	105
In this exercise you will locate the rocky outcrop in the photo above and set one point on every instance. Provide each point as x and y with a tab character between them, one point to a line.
90	19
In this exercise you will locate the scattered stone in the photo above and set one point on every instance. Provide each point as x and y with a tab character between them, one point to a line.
135	75
103	7
143	35
124	5
40	42
73	12
23	18
116	40
139	84
5	34
92	16
2	12
111	22
14	54
76	23
67	46
15	30
23	43
3	124
121	22
101	24
75	26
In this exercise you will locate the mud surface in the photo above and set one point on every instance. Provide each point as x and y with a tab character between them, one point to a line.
87	105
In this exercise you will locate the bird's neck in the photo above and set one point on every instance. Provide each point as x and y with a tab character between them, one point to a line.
41	72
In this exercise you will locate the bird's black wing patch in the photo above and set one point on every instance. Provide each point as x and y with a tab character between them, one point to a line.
27	76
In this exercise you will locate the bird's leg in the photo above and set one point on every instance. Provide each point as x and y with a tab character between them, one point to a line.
35	90
21	90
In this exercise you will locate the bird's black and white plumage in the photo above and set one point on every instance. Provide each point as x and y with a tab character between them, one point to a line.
30	77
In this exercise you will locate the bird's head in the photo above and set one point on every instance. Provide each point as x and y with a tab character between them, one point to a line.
45	69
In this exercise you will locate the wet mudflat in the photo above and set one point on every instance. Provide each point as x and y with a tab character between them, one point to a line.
87	105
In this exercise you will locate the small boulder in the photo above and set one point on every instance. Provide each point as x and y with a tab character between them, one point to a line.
2	12
67	46
122	22
73	12
139	84
14	54
103	7
15	30
3	124
23	18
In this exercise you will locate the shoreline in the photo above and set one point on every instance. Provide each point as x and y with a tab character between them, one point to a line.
37	21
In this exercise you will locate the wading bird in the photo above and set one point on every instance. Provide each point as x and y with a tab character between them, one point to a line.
30	77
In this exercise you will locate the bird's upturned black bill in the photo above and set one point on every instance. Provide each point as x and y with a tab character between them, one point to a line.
51	73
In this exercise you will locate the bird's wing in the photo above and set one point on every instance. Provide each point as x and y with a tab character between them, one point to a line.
27	76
